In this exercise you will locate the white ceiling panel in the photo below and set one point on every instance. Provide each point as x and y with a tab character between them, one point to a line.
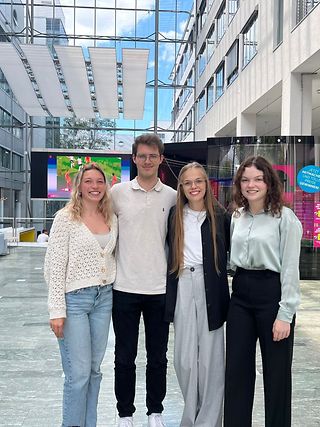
17	77
75	74
134	71
104	68
46	76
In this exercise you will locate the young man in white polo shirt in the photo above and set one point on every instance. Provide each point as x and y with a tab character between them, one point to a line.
142	206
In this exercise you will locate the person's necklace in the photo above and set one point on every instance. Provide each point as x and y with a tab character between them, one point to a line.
198	215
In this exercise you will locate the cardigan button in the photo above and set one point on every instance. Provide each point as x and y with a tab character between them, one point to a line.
101	254
104	282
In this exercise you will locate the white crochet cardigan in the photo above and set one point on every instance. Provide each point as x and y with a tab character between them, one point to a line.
75	260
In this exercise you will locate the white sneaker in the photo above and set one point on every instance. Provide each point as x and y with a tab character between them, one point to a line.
125	422
155	420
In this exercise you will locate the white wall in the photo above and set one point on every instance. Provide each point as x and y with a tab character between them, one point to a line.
258	89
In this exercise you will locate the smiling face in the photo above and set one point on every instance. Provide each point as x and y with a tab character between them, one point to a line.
253	187
148	160
194	187
92	186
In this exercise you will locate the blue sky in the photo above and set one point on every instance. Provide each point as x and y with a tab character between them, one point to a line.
171	26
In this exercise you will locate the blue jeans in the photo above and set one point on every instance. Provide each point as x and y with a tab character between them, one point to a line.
82	350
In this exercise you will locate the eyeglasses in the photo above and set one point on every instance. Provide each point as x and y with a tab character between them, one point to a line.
145	157
197	182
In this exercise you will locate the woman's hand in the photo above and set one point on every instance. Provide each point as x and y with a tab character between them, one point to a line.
56	326
280	330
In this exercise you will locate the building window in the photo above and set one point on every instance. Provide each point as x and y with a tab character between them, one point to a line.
221	22
220	80
202	60
278	22
211	42
190	84
17	162
201	106
190	79
304	7
189	122
17	128
182	65
190	43
233	6
250	43
4	158
5	120
210	92
4	84
202	16
232	63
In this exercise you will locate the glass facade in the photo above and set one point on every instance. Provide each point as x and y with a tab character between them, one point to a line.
288	155
222	157
154	25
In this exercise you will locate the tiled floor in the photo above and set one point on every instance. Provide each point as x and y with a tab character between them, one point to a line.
31	377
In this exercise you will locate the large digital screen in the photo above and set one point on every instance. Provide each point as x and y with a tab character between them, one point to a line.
52	174
62	170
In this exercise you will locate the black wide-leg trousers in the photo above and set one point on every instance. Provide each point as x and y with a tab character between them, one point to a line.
253	309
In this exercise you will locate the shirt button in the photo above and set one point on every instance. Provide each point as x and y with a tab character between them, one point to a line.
192	269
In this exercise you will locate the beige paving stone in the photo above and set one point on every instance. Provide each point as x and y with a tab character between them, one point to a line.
31	376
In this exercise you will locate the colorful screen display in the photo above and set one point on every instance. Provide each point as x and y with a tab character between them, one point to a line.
62	170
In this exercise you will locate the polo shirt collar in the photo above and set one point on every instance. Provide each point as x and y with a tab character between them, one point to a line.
136	186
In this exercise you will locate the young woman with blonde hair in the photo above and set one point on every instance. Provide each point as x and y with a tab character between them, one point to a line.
198	296
80	270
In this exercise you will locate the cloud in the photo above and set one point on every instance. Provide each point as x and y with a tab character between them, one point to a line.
182	26
168	51
105	21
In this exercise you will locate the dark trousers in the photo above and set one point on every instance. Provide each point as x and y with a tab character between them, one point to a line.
127	310
253	309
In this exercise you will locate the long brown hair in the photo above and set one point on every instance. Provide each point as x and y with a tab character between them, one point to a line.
75	206
177	223
274	197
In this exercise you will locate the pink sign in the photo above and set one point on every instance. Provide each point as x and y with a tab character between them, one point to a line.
316	232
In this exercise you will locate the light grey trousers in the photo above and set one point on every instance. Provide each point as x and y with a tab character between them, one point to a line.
198	354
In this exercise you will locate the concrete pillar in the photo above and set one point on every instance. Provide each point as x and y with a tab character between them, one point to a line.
306	104
1	211
246	124
296	111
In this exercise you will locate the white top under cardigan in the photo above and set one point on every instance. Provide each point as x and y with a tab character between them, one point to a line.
75	260
192	222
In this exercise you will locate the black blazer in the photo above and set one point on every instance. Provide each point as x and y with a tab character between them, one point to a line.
216	285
